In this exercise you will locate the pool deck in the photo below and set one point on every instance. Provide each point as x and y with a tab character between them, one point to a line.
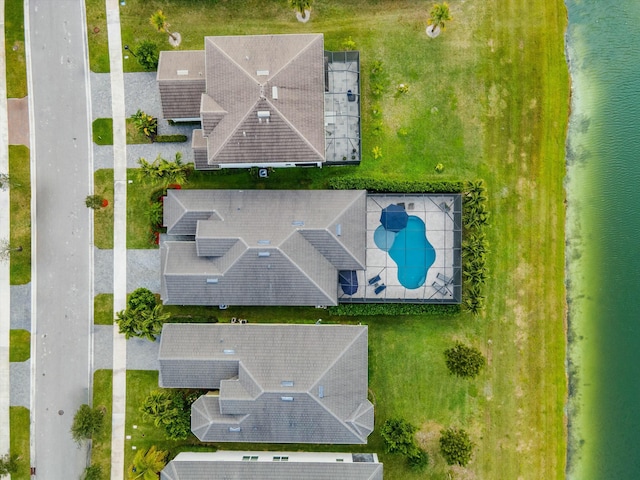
436	210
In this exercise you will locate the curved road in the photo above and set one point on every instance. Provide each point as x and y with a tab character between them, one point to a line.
62	232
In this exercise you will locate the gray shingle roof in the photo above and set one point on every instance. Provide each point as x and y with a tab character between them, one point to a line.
277	383
257	247
249	78
298	466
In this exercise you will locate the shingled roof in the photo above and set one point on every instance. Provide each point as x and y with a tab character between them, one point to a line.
261	247
277	383
261	99
239	465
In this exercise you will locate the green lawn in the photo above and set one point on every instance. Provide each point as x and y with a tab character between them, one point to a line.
97	36
19	345
103	218
19	426
103	309
20	205
488	99
102	398
14	48
103	132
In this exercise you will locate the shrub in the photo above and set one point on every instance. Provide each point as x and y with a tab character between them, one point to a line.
8	464
145	123
178	138
377	89
348	43
402	88
93	202
87	422
393	309
171	410
398	436
376	185
464	361
418	459
439	168
455	446
141	299
377	67
147	53
377	152
154	215
403	132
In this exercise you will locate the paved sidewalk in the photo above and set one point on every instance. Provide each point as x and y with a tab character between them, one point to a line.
5	294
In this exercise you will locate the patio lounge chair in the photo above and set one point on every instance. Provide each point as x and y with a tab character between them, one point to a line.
444	278
380	288
441	289
375	279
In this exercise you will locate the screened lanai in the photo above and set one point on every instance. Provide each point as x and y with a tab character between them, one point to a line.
342	107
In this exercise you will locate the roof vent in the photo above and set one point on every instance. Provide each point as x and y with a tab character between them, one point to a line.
212	280
274	93
286	399
235	429
264	242
287	383
264	254
298	223
264	114
321	391
183	72
339	229
229	351
262	73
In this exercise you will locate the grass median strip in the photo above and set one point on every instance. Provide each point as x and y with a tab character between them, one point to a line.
20	345
16	65
19	426
102	398
103	309
20	206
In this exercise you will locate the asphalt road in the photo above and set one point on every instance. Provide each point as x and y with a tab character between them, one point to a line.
62	280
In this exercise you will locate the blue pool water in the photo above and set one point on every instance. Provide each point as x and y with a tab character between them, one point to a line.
410	249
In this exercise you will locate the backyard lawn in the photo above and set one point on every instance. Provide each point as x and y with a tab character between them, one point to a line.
488	99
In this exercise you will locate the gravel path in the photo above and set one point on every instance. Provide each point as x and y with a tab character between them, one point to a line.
20	384
141	353
21	307
143	270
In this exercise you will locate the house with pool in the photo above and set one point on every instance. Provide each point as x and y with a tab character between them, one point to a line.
310	247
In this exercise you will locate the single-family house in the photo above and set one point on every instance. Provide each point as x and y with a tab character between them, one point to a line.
260	247
271	383
265	100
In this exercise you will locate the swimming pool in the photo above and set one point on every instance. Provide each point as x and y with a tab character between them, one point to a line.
409	249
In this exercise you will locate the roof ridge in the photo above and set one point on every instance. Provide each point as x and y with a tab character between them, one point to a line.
292	127
212	154
300	52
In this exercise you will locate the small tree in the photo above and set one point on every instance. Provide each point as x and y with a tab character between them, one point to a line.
438	15
6	181
159	21
164	171
170	410
145	123
147	54
456	446
87	422
9	464
143	316
147	464
141	299
6	250
398	436
464	361
94	202
300	5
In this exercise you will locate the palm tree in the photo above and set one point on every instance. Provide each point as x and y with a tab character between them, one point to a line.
6	181
159	21
165	171
147	464
438	15
301	6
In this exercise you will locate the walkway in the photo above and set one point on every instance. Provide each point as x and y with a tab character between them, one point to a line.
5	294
119	238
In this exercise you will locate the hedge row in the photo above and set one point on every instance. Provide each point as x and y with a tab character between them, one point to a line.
395	186
170	138
393	309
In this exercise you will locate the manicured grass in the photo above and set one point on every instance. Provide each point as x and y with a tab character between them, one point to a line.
19	426
103	132
14	48
102	398
103	218
19	345
498	80
103	309
20	205
97	36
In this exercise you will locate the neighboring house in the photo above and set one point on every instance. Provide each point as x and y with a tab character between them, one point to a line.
260	247
273	465
265	100
272	383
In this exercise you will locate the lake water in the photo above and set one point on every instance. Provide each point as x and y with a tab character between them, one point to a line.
603	229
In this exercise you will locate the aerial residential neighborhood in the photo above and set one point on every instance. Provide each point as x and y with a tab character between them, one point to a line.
292	239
